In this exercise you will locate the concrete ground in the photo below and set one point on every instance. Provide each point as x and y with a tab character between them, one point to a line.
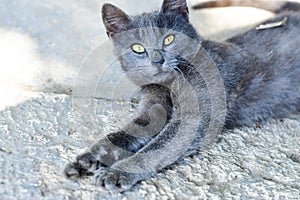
56	101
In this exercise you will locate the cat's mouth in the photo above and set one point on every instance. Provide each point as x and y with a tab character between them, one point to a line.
165	69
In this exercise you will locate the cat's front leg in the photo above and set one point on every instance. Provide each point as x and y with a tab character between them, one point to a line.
116	146
106	152
102	154
174	141
184	133
155	110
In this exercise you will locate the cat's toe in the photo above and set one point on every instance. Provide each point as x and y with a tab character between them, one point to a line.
72	171
114	180
87	161
85	165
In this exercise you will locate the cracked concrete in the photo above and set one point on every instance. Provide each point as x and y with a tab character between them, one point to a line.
43	46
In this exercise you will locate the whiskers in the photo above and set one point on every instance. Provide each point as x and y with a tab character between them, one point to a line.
179	70
184	69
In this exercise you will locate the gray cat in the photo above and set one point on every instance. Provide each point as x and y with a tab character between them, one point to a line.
191	88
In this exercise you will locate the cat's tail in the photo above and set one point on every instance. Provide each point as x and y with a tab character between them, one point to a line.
275	6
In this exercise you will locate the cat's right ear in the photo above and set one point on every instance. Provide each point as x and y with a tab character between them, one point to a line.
176	6
114	19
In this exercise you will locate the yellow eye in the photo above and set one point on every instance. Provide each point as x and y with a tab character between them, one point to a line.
138	48
169	39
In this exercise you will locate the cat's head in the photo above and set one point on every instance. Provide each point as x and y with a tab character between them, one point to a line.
151	46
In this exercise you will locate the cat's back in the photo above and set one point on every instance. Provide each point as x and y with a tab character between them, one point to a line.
279	43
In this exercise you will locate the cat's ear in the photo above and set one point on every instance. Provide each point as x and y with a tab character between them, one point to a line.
114	19
177	6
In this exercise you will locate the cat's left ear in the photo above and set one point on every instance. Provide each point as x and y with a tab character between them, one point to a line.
114	19
177	6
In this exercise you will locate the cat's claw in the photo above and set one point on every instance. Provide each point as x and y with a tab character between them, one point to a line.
114	180
85	165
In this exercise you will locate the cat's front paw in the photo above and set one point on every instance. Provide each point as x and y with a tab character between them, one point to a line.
85	165
103	153
114	180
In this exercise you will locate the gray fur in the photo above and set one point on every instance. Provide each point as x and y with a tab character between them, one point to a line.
260	71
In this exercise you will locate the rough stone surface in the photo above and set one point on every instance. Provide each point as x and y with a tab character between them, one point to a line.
43	44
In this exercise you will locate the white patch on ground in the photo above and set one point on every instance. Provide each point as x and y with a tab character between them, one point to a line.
22	70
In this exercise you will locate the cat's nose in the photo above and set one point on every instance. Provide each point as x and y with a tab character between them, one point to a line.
157	57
